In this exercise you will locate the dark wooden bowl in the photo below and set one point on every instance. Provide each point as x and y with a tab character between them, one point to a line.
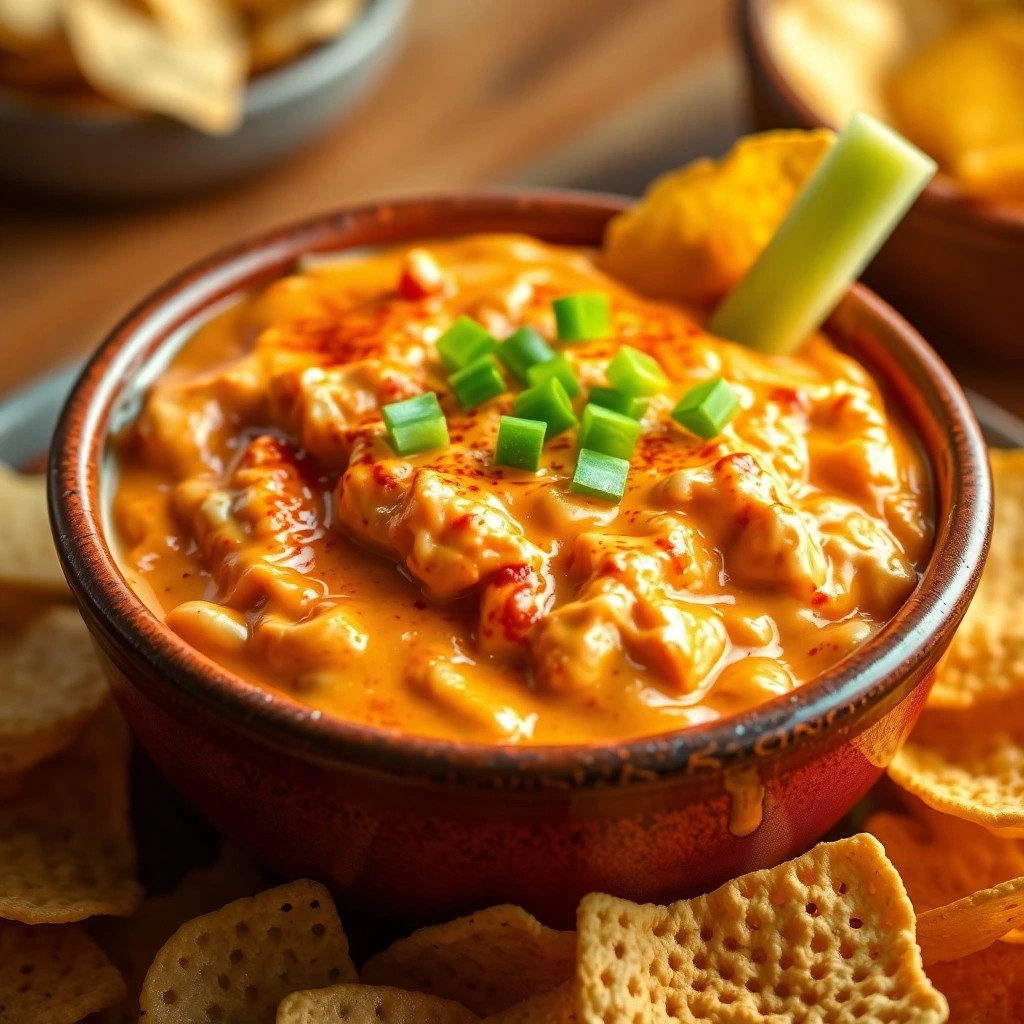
427	828
954	267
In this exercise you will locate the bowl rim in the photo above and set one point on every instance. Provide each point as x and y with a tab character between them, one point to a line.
299	76
942	196
864	680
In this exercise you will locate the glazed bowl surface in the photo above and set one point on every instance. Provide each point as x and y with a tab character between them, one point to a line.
115	154
954	266
425	828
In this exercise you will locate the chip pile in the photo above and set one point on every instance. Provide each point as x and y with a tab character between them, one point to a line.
187	59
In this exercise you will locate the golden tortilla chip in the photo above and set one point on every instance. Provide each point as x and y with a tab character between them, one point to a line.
986	658
26	24
194	19
129	58
697	231
50	686
555	1007
366	1004
27	556
968	763
972	923
236	964
53	974
828	936
66	847
286	31
487	961
942	859
984	988
132	943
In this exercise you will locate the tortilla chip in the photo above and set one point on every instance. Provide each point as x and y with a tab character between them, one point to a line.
26	24
27	556
942	859
366	1004
555	1007
66	847
282	33
132	943
487	961
972	923
986	658
828	936
50	686
985	988
969	764
194	19
129	58
53	974
697	231
238	963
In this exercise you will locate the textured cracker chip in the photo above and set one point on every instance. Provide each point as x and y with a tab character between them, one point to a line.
984	988
367	1004
969	763
942	858
697	230
50	686
66	847
555	1007
133	942
27	556
236	964
826	937
53	974
986	658
972	923
487	961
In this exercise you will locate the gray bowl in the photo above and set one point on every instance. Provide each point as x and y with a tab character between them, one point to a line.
122	154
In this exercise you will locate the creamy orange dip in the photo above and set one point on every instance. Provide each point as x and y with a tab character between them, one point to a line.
262	513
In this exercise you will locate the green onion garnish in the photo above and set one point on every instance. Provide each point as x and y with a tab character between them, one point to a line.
415	425
705	409
635	373
464	342
519	443
522	350
559	367
547	402
843	214
582	316
600	476
608	432
477	383
618	401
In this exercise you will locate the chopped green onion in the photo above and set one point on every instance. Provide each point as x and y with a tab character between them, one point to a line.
522	350
582	316
600	476
618	401
559	367
519	443
415	425
705	409
477	383
547	402
635	373
464	342
849	207
602	430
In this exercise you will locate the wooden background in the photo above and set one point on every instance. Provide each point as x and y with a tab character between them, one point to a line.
480	88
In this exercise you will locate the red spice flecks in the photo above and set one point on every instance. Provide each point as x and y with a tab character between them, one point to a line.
792	398
737	462
819	598
382	477
464	521
421	276
743	516
509	574
419	605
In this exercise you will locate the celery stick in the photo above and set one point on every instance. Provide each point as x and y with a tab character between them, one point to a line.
844	213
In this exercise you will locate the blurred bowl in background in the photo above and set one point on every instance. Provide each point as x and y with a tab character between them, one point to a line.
955	264
114	153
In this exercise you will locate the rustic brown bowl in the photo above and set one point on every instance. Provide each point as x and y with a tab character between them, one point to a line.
427	828
954	267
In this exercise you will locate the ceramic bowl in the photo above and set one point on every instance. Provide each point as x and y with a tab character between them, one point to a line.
425	828
954	266
118	154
